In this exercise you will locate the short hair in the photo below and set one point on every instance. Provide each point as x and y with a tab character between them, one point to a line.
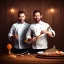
20	12
36	12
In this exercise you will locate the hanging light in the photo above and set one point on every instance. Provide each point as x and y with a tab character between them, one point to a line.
52	10
12	10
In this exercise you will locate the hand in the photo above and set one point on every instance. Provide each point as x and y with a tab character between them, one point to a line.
12	38
16	36
43	31
32	39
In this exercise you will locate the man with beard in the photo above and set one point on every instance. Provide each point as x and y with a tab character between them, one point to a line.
37	33
17	34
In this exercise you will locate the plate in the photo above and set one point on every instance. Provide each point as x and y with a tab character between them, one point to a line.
50	56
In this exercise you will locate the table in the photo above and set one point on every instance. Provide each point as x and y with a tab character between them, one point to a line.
26	59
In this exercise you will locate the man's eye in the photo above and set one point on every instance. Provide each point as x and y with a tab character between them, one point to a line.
22	16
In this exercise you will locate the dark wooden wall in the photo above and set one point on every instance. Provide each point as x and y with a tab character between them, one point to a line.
56	20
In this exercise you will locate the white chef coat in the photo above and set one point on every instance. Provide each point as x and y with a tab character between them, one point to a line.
35	30
20	29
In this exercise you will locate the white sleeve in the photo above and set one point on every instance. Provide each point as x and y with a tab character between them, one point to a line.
51	30
28	34
11	32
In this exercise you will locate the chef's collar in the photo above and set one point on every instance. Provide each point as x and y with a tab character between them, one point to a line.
40	22
22	23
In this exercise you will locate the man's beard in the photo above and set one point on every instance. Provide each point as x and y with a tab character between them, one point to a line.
37	20
21	21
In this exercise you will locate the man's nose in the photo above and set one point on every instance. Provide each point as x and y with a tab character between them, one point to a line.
36	17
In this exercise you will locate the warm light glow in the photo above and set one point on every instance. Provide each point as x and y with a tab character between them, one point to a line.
12	10
52	10
57	52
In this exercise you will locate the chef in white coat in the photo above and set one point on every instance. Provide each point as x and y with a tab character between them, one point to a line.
39	28
18	33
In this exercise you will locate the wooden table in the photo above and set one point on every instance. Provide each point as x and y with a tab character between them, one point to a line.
26	59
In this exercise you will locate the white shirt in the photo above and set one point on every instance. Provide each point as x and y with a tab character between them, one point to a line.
35	30
20	29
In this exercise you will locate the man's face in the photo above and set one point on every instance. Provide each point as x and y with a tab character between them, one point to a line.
37	17
21	17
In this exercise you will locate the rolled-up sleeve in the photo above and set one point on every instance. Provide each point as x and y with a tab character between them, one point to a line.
51	30
11	32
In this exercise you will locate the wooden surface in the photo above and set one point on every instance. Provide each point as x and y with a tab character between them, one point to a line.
5	59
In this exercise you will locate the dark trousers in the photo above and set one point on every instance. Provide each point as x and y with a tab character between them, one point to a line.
28	50
19	51
34	51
